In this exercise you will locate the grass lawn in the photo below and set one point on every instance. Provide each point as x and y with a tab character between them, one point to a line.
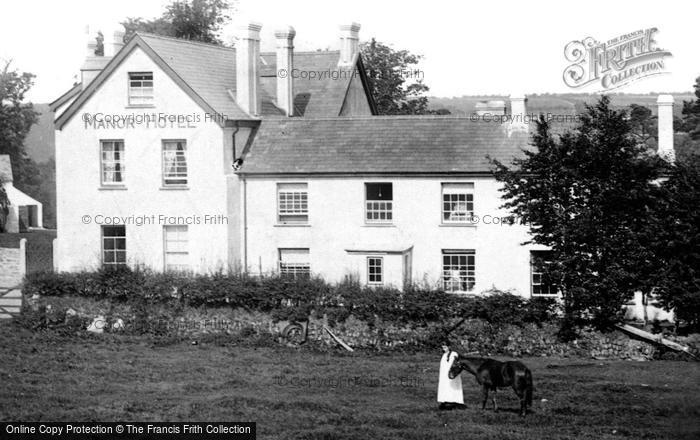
298	394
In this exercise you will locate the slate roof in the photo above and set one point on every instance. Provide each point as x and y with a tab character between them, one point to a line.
381	145
313	97
208	69
208	73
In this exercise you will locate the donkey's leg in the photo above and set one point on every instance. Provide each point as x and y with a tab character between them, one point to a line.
495	407
521	395
485	396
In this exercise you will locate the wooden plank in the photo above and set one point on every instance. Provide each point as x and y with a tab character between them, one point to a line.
337	339
655	339
10	303
14	293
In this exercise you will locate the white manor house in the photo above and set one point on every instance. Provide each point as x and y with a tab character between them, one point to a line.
179	155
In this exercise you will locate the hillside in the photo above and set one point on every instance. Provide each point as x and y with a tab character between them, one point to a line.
39	143
559	103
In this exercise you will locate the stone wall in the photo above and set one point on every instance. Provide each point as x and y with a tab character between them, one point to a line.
473	336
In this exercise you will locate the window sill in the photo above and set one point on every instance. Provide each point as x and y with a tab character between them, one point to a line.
140	106
379	225
112	188
291	225
457	225
174	188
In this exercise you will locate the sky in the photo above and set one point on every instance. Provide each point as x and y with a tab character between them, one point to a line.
469	48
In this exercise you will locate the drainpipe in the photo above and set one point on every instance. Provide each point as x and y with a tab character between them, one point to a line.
244	224
234	162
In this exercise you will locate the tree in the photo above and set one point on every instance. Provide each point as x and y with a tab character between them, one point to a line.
388	70
16	118
642	123
691	114
4	206
197	20
586	195
674	238
687	139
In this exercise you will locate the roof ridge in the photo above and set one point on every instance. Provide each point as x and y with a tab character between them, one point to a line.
182	40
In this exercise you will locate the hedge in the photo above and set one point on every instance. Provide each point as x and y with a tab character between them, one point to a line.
290	298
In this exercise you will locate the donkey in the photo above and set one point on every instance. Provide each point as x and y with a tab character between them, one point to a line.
492	374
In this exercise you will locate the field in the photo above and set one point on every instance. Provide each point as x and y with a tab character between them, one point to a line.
300	394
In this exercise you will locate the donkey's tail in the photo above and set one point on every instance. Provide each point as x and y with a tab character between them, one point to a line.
528	387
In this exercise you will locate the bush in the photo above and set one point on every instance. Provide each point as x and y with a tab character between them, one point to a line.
157	296
51	284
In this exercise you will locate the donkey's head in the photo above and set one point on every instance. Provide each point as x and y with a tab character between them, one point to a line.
455	369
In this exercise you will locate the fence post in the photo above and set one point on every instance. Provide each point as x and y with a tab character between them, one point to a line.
22	264
53	253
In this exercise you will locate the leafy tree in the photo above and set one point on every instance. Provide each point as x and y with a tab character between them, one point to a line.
691	114
4	207
387	70
674	238
642	123
16	118
645	127
586	195
198	20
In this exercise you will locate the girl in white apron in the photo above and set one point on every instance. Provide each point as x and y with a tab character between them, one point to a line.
449	390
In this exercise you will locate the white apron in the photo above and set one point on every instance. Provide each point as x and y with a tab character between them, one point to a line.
449	390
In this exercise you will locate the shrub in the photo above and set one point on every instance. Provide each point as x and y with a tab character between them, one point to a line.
156	297
51	284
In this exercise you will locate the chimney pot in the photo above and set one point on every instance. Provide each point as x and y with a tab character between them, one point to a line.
248	68
349	43
285	63
665	122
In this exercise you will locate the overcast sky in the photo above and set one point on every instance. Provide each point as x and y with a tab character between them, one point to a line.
482	47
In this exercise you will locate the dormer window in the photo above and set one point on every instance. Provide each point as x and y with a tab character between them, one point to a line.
140	88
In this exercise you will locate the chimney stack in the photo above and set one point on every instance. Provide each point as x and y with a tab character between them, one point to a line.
518	112
248	68
117	41
665	122
93	63
285	63
349	43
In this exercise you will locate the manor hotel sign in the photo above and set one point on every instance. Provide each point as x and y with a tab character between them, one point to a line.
149	120
614	63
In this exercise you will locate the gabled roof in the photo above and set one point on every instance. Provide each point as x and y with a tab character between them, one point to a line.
70	94
207	68
207	73
319	85
381	145
138	41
